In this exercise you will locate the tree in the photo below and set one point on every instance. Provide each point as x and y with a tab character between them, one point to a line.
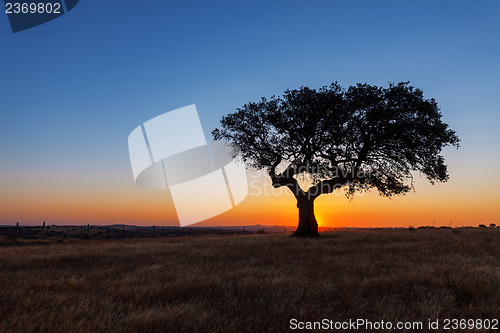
355	139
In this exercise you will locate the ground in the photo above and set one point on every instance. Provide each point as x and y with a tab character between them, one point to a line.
249	283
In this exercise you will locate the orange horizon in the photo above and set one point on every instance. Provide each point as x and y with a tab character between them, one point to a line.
454	203
367	211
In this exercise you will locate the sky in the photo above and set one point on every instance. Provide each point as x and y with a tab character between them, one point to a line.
73	89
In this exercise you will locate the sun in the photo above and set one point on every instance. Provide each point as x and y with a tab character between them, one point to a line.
320	219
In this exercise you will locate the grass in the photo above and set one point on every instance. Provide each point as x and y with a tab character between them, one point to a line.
248	283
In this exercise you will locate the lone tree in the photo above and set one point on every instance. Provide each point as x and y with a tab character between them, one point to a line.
351	139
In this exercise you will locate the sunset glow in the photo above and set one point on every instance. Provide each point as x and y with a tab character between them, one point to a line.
63	146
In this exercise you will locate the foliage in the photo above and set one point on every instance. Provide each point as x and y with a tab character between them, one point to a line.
358	138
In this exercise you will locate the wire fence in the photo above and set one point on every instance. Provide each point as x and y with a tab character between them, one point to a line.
61	232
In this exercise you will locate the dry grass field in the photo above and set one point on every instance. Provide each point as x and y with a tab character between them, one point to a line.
248	283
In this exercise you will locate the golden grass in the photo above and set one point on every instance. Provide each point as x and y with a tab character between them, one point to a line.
252	283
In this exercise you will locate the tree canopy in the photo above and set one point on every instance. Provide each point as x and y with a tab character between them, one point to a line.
363	137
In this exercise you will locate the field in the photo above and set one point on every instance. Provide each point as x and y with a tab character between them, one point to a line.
249	283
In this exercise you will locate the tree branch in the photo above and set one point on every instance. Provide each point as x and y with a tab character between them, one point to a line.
285	178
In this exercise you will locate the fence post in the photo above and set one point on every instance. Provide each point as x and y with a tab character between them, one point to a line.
153	230
17	230
123	231
43	230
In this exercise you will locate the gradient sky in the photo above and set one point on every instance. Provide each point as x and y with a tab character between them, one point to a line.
73	89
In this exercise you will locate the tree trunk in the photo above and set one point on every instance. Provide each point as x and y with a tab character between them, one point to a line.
308	226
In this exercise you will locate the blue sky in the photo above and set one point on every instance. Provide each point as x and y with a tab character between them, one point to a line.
72	90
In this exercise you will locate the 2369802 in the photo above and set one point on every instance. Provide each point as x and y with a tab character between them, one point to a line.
32	8
470	324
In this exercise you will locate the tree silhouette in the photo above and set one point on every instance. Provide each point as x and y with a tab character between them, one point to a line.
353	139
